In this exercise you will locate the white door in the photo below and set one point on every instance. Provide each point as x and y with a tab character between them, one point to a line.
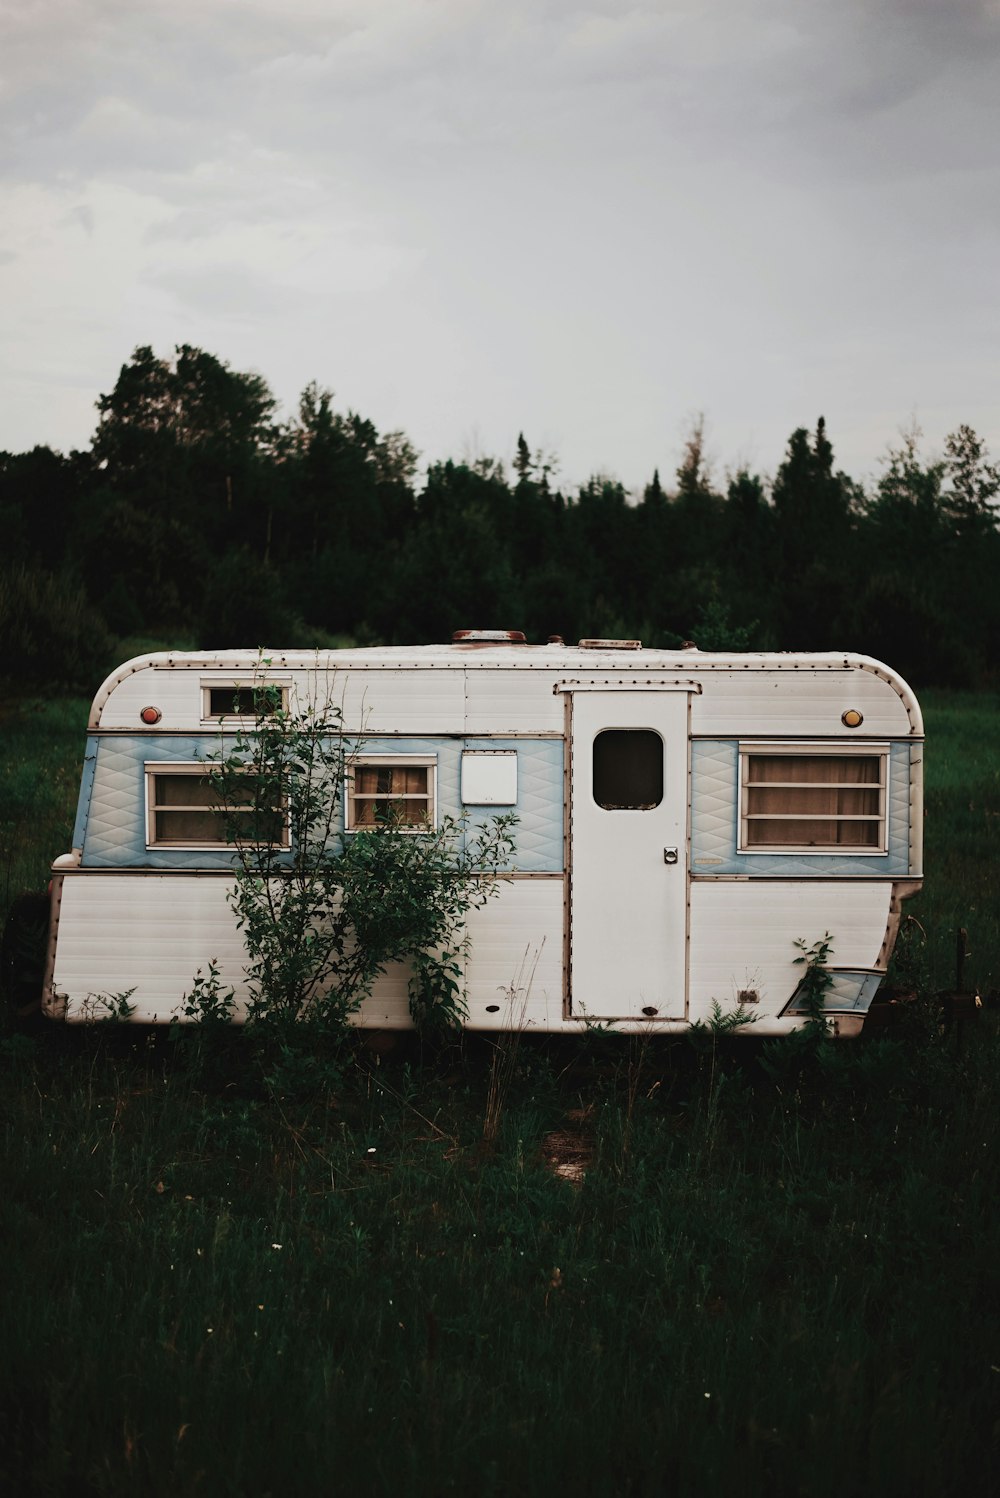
628	851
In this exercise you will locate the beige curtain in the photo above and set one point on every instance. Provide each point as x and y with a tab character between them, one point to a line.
379	792
815	800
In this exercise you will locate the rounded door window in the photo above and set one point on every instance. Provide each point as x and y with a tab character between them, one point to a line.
628	769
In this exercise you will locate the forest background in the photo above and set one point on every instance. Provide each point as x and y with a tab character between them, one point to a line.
197	517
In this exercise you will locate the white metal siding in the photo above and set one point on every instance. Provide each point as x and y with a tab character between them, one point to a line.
385	701
803	703
143	932
175	692
499	702
438	689
517	933
404	702
150	933
743	935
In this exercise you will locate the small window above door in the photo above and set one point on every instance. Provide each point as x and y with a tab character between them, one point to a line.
628	769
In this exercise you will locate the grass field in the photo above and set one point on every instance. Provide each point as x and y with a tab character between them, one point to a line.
778	1274
962	835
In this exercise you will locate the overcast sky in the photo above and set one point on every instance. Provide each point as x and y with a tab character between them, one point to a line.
472	217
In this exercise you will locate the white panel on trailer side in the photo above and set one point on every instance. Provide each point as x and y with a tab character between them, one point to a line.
743	936
146	936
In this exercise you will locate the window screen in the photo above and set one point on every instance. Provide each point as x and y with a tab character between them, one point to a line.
814	801
628	769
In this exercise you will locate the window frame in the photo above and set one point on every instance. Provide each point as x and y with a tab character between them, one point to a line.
628	806
366	761
816	750
199	770
236	683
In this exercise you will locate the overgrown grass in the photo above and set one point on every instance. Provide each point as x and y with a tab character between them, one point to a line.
961	836
779	1273
758	1287
42	756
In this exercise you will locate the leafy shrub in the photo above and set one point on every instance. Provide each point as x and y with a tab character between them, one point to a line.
324	914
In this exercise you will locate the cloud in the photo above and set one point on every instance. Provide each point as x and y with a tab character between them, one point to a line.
365	92
588	215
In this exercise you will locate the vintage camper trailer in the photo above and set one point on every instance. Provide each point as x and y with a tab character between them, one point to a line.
684	820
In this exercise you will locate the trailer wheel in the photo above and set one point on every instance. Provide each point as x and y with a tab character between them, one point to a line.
22	956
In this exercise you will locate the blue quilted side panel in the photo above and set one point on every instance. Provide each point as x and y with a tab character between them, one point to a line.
715	810
538	835
116	828
86	792
113	831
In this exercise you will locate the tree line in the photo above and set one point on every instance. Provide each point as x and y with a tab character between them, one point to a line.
197	517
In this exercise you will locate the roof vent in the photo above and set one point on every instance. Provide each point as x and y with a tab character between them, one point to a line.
488	637
610	644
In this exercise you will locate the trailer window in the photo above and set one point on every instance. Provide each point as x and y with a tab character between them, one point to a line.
185	812
391	791
628	769
242	699
795	802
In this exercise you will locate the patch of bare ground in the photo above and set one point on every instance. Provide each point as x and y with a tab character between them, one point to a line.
568	1152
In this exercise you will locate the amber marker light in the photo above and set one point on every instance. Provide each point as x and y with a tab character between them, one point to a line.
151	715
852	718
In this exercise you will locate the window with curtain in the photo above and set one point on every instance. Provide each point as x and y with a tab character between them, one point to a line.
391	792
794	801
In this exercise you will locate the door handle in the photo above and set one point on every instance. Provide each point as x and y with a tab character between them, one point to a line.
670	855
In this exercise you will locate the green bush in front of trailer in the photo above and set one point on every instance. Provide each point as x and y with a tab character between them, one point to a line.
328	897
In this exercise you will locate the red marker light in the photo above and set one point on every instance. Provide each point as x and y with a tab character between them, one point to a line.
151	715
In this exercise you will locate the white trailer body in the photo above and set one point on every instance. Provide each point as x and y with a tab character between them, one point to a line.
684	819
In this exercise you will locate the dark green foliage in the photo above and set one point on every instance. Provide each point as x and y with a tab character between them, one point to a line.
814	550
245	601
323	912
198	515
49	631
22	954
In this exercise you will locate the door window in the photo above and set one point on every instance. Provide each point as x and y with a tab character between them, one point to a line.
628	769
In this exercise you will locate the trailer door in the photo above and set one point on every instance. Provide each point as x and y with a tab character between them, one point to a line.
628	852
